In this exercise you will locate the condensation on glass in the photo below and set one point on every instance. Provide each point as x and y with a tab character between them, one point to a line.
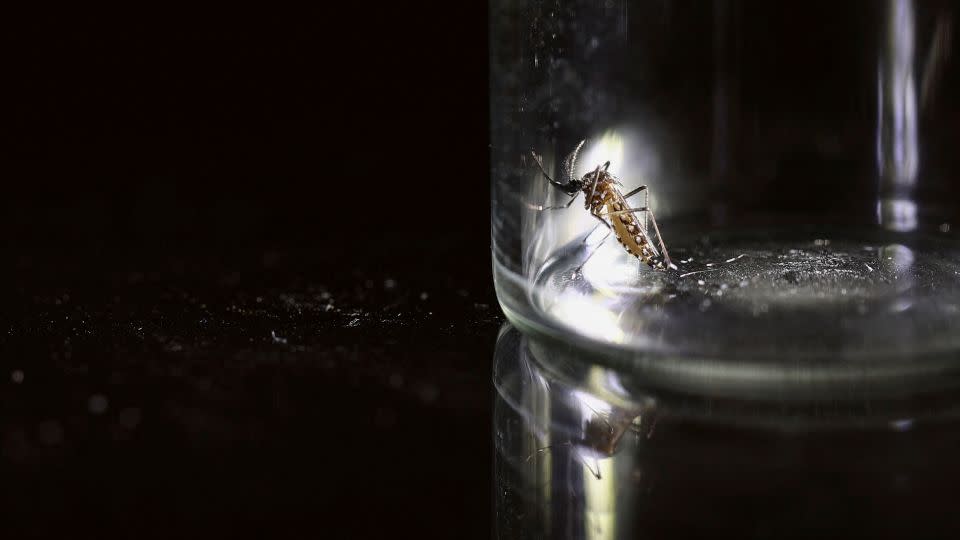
800	158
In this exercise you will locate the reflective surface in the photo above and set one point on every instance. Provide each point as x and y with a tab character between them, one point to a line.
841	299
584	451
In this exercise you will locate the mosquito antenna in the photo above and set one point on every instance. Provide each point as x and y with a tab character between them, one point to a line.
570	164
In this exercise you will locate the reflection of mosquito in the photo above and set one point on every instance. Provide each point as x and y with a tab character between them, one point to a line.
601	436
609	206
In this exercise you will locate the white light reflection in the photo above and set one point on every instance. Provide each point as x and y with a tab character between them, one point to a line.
589	317
897	214
609	147
899	255
899	259
901	425
897	146
591	406
632	156
599	473
612	381
600	491
610	265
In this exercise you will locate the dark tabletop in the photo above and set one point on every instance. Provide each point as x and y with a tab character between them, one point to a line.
245	393
228	308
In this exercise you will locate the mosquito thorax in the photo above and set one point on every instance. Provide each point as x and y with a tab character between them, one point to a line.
588	179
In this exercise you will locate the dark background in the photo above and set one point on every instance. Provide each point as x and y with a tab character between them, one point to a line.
170	126
247	286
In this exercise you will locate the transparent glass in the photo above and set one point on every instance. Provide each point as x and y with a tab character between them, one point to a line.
800	161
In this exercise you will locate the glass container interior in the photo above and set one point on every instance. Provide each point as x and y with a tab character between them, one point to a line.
798	158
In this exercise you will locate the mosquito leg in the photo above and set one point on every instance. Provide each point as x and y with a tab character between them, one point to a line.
646	200
595	249
594	472
601	220
634	192
625	211
594	229
646	210
593	188
643	209
544	449
663	247
598	415
561	207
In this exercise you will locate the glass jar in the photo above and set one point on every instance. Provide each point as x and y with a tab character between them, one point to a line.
798	160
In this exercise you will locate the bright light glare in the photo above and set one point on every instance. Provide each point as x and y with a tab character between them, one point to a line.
591	405
609	147
589	317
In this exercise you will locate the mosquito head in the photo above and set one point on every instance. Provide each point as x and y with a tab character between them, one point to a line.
572	187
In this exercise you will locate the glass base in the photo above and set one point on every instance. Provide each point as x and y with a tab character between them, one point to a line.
755	306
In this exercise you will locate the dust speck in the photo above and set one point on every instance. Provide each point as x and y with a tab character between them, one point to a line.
385	417
97	404
16	376
428	393
129	418
50	433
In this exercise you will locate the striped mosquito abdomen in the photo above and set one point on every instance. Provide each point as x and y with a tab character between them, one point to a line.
626	227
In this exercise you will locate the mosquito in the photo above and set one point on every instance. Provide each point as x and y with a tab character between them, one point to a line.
609	206
602	435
